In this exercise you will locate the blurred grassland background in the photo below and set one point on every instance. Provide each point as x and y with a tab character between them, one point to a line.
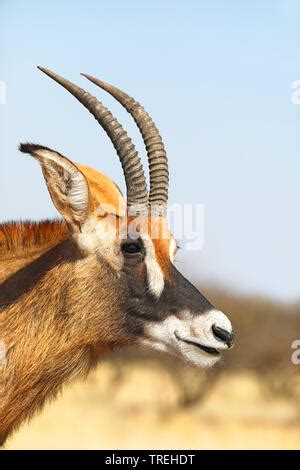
140	399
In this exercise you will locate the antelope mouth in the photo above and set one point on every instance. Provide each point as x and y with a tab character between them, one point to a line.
207	349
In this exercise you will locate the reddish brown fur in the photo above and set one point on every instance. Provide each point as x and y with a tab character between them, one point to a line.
52	327
50	321
103	190
158	230
58	310
161	240
16	236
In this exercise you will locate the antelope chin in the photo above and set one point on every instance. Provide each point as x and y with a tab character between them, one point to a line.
191	352
197	354
189	337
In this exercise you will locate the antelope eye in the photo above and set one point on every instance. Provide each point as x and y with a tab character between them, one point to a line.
131	248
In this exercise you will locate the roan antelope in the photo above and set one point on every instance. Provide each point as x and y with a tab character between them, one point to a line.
72	290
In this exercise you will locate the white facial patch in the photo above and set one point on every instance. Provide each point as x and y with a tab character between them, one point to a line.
200	327
172	249
155	276
160	335
176	334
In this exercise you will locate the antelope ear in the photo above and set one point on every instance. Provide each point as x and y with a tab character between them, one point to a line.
66	184
107	196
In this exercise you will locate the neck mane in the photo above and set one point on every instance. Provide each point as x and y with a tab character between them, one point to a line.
19	237
43	345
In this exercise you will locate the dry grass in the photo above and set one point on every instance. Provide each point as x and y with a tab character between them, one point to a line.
139	399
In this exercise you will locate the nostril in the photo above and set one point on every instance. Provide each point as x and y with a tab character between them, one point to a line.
223	335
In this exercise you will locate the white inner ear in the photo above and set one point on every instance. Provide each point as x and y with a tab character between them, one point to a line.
78	193
71	181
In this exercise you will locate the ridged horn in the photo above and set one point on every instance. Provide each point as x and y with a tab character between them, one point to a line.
137	195
157	156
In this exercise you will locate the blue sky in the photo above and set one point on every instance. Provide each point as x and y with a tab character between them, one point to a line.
216	77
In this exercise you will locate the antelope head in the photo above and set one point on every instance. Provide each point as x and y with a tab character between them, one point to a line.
125	251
